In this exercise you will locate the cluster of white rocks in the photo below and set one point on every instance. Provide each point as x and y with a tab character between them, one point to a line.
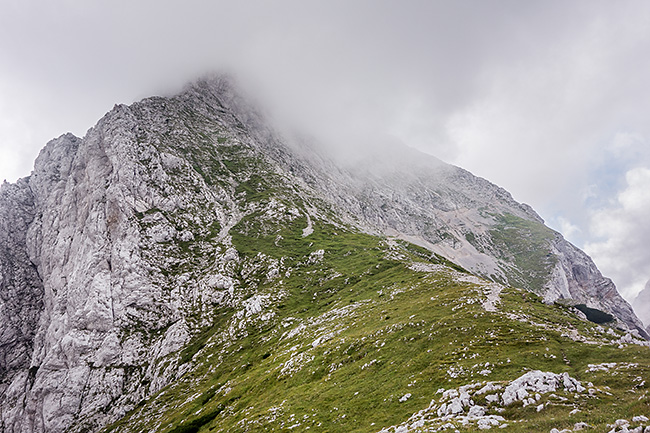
638	424
457	407
607	366
534	383
631	337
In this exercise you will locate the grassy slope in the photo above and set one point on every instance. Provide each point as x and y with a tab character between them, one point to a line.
384	330
341	336
526	245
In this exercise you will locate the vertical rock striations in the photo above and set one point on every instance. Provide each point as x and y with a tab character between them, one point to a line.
21	301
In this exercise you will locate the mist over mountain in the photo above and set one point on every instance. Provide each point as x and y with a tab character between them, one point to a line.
185	267
641	305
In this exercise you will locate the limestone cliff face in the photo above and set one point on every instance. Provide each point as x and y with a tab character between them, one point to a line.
117	248
21	296
88	303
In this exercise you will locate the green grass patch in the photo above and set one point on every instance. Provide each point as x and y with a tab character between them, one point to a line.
525	244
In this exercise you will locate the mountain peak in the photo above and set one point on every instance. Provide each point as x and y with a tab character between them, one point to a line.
182	268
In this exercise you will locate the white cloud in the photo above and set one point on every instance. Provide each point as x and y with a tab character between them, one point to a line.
641	305
628	145
622	250
568	229
540	123
15	157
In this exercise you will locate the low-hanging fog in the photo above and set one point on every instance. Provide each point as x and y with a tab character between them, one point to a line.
549	99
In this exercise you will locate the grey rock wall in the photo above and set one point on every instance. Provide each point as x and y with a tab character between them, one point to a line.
21	300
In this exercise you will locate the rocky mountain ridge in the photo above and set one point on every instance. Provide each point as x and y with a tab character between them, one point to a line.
398	191
183	223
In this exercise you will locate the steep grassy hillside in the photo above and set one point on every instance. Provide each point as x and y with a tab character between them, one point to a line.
331	329
346	332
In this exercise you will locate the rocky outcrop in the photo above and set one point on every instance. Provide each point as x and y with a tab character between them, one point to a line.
479	404
21	300
88	310
575	276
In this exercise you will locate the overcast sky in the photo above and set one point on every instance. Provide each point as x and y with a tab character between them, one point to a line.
549	99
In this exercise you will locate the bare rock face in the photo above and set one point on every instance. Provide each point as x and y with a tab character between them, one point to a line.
575	276
117	248
21	297
88	308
